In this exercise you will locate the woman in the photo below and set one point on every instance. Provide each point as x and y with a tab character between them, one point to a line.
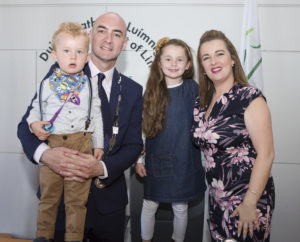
232	126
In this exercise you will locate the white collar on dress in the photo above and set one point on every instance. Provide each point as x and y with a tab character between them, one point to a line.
175	85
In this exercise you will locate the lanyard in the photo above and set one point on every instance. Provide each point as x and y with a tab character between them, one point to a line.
115	128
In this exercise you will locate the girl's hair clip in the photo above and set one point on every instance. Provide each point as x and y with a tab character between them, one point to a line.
161	43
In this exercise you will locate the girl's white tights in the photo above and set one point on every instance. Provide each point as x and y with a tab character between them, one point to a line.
149	209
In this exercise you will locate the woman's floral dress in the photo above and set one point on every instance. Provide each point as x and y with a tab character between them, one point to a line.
229	159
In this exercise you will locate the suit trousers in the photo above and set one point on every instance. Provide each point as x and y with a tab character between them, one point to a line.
104	227
99	227
52	186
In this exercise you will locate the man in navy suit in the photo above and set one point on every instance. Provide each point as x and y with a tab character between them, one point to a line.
122	118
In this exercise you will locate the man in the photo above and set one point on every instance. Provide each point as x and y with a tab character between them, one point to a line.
122	117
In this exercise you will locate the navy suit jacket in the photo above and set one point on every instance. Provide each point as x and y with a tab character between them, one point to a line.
126	150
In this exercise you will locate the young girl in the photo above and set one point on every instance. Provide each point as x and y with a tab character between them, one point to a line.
173	170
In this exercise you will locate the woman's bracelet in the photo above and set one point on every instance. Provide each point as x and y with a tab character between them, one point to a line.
254	192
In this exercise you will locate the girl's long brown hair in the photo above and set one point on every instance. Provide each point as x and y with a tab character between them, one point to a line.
206	86
156	97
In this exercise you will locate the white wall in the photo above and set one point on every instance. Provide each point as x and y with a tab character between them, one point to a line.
26	28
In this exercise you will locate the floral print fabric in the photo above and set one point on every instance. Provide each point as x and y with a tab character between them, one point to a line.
229	159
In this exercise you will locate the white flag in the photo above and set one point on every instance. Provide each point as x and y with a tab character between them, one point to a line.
250	51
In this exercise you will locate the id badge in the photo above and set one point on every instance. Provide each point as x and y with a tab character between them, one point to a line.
115	130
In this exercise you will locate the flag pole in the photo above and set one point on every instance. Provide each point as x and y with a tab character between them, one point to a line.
250	50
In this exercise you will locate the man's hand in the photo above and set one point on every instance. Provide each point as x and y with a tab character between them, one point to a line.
53	158
37	129
80	167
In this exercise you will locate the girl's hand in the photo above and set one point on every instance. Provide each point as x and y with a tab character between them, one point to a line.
98	153
37	129
140	169
247	218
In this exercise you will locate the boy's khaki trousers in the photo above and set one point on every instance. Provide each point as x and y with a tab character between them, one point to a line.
52	186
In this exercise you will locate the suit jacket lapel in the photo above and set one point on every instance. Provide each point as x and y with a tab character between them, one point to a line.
87	70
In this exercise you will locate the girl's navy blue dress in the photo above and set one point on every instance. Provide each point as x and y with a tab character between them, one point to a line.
173	163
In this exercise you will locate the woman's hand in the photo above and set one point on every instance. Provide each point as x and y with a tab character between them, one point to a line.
247	218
